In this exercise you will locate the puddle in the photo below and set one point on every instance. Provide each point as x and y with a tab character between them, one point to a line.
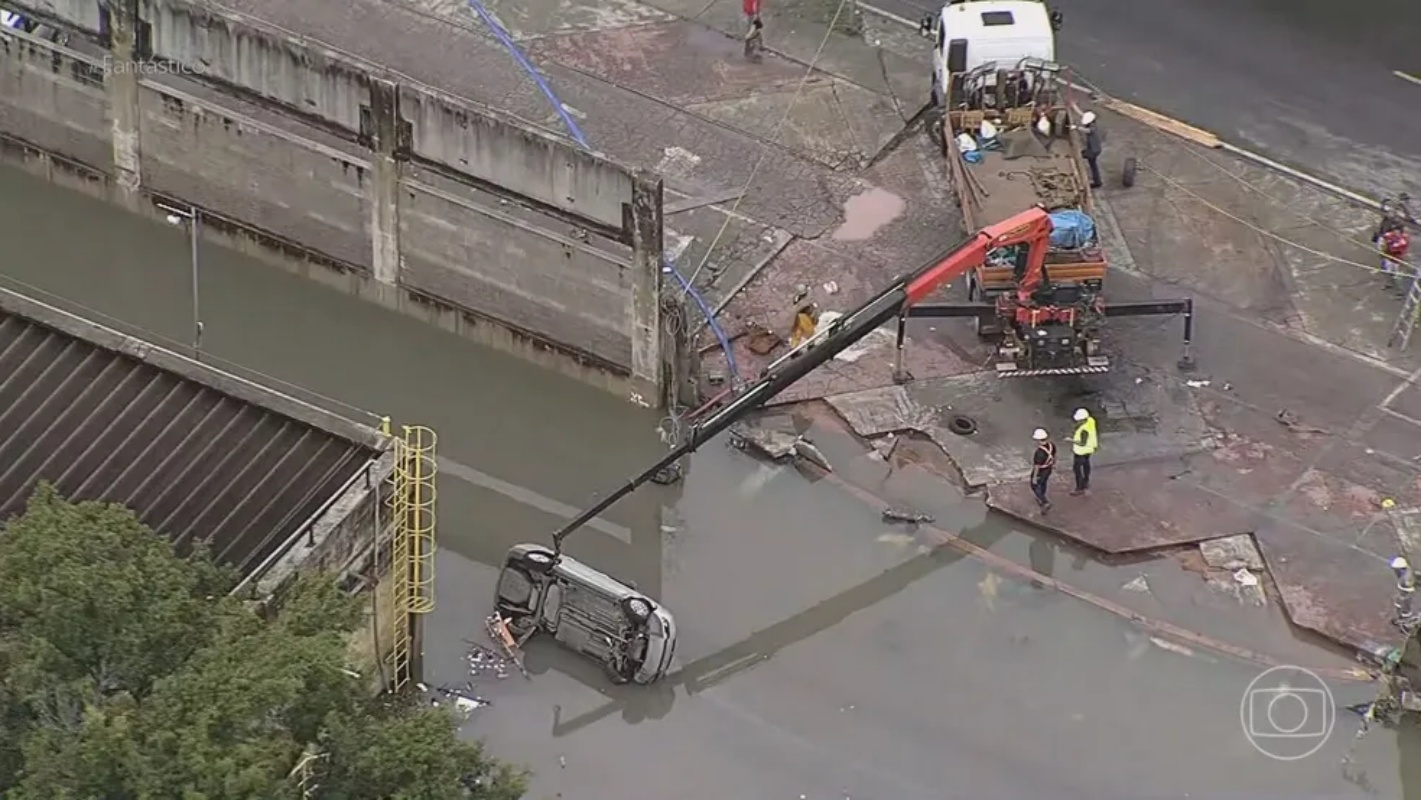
866	212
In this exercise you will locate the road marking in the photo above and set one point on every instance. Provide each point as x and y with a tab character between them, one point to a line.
530	498
1409	78
888	15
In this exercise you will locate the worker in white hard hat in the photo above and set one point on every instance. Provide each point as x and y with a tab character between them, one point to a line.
1083	445
1091	147
1043	461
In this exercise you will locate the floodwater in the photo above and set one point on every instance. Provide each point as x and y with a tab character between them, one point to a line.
823	654
865	213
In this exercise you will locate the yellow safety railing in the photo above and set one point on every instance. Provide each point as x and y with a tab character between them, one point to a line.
412	522
421	466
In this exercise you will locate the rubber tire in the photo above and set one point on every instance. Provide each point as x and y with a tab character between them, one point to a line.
1129	171
539	561
637	608
962	425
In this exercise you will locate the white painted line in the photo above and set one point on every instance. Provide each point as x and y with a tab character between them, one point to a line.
1409	78
888	15
530	498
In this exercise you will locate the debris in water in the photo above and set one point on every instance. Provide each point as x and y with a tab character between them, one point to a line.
1165	644
898	539
831	288
465	701
778	445
483	661
512	648
989	587
904	515
1245	586
1232	553
562	761
1196	384
805	449
1137	585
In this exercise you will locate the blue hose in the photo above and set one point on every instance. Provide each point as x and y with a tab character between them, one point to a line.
576	133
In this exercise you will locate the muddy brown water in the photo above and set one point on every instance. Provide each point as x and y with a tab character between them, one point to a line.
867	212
824	653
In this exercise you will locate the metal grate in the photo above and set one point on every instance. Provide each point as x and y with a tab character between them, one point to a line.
195	464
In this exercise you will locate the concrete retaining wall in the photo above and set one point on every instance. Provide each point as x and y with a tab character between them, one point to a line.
435	205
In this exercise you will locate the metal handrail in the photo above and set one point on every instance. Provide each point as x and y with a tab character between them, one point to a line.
305	528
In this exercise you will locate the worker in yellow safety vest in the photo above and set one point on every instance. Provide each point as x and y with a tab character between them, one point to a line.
1083	445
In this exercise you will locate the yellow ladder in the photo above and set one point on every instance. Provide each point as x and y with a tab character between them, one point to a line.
412	523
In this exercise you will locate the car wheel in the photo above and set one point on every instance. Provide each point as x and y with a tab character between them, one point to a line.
539	560
637	608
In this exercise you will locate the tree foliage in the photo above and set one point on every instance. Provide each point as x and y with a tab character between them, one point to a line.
129	673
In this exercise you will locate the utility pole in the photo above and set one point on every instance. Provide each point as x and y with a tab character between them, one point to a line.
193	217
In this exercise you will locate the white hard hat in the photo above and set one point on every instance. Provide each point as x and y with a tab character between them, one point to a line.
1040	435
1088	117
1082	415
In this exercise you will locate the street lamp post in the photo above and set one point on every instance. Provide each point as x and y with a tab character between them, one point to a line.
193	216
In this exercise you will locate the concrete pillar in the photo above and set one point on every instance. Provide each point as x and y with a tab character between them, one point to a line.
121	82
386	171
648	380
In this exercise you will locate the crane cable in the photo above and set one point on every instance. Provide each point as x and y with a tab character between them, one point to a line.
773	140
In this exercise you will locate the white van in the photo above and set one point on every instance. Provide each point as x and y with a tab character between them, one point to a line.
985	35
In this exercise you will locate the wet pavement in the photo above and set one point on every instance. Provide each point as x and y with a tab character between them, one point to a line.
1282	280
825	653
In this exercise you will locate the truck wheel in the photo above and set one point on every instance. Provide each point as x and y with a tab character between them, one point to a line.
539	561
962	425
1127	174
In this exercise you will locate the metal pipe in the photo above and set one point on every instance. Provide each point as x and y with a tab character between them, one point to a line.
899	345
1405	614
194	233
1404	611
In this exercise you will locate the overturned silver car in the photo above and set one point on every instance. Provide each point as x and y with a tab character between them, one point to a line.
629	634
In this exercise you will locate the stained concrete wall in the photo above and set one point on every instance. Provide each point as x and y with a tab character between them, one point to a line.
477	256
49	95
361	212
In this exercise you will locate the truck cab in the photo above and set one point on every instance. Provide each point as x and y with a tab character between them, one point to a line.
971	35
